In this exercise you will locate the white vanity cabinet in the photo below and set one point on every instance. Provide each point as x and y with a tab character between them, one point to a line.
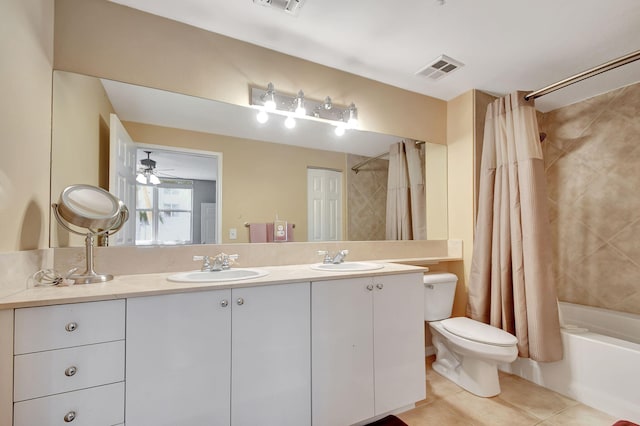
69	364
221	357
367	347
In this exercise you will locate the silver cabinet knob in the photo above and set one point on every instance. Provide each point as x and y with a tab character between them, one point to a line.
224	303
69	417
370	287
70	371
240	301
379	286
72	326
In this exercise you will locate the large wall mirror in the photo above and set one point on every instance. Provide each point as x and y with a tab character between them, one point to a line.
218	168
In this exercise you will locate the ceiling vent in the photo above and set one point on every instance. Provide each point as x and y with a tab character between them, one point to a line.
440	67
291	7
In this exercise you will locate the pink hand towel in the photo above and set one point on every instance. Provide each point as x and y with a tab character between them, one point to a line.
258	232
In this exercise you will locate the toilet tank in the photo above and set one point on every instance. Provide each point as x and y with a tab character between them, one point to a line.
439	291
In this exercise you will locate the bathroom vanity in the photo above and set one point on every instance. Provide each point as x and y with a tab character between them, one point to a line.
295	347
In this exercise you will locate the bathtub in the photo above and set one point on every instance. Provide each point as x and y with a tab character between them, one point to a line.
601	365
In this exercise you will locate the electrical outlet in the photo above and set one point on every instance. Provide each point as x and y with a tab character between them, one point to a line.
233	233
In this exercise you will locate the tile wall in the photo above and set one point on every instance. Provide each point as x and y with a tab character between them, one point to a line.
592	162
366	199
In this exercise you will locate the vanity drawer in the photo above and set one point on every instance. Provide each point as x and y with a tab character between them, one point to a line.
99	406
45	373
62	326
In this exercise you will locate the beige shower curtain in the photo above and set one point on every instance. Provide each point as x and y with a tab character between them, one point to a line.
406	199
511	284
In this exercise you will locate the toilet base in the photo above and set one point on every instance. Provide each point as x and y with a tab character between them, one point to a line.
478	376
473	375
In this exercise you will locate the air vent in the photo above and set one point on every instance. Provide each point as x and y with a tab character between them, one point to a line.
440	67
291	7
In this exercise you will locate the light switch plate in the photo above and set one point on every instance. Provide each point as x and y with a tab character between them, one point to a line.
233	233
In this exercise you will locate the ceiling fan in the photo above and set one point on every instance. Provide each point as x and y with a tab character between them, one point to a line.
147	173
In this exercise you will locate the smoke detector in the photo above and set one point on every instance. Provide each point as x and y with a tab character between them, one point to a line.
440	67
291	7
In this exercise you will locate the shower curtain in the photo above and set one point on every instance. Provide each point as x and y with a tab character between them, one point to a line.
511	284
406	199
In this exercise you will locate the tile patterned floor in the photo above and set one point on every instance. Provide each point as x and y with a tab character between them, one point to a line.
521	403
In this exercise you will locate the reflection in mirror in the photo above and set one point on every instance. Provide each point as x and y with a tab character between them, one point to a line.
262	174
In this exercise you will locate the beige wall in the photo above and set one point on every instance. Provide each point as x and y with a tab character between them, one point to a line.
259	179
592	153
80	134
460	177
26	46
436	191
153	51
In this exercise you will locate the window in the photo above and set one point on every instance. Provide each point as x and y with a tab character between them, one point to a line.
164	213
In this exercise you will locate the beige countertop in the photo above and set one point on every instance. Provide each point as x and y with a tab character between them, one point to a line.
124	286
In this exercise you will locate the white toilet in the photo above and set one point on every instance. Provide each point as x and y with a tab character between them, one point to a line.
467	351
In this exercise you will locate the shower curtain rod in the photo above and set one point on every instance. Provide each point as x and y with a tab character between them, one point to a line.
361	164
615	63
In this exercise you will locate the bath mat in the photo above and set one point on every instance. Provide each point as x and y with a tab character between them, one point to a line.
388	421
624	423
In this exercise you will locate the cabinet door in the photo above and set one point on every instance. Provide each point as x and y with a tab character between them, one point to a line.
398	325
179	359
271	367
342	351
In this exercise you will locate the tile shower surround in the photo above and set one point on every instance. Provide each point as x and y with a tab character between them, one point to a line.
592	166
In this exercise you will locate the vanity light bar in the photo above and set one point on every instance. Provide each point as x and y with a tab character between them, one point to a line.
287	104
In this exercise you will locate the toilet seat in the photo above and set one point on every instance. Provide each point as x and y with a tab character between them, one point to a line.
476	331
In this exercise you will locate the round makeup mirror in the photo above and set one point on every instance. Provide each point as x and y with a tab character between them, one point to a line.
96	210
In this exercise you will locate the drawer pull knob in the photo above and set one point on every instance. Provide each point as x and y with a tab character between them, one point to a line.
70	371
224	303
240	301
379	286
70	416
72	326
370	287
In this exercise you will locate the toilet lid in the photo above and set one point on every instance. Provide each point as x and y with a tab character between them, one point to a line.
478	332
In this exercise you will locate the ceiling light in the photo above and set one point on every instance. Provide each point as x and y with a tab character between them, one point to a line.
299	104
147	174
141	178
327	103
290	123
352	122
153	179
269	97
268	101
262	117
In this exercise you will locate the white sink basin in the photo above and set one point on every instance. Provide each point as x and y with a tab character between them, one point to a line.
233	274
347	266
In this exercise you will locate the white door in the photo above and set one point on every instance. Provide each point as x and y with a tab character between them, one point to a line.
208	223
271	346
178	359
342	352
324	205
122	177
398	324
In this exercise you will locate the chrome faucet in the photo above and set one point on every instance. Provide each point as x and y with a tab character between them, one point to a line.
218	262
337	258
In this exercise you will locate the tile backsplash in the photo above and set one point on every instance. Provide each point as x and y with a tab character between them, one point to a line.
592	163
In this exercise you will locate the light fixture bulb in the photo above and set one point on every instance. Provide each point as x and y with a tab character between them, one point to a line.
154	179
262	117
340	129
327	103
299	102
353	116
141	178
290	122
269	98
